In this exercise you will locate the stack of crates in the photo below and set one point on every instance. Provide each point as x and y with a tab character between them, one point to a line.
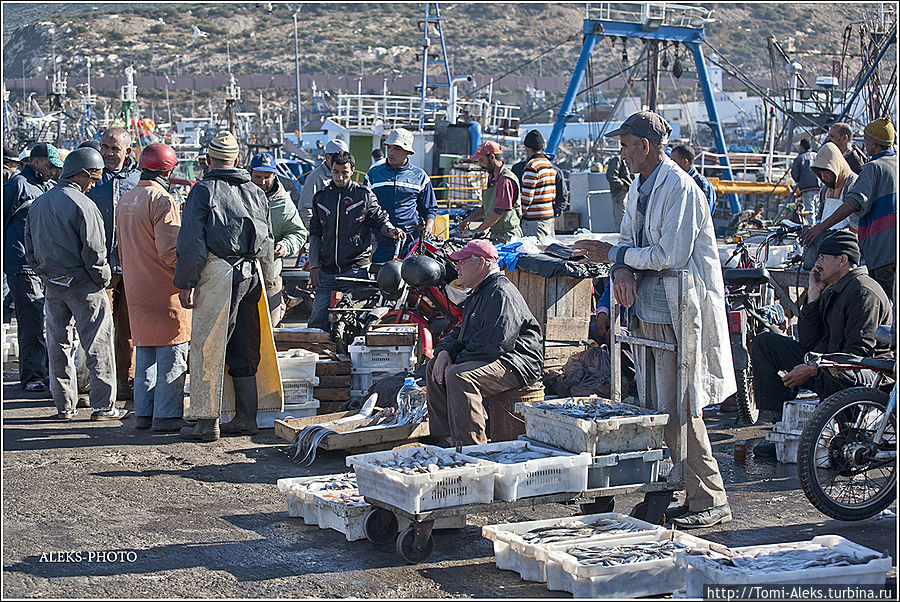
10	342
298	379
786	434
372	363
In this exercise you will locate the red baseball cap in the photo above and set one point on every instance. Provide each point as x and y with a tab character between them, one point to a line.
476	248
486	149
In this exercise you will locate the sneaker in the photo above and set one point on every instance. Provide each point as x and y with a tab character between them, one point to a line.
705	518
113	414
65	416
36	386
765	449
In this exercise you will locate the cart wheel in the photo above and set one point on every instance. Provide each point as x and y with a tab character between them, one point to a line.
381	527
602	504
406	546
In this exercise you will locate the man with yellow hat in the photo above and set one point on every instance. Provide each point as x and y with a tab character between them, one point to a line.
874	200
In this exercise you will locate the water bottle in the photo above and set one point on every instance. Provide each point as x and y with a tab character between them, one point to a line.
411	402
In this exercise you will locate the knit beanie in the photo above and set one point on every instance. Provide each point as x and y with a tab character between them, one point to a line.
881	131
223	147
534	140
837	242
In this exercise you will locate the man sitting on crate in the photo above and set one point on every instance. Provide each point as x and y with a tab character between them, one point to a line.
667	226
497	347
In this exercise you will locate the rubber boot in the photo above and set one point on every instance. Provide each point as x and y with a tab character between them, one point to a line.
246	403
206	429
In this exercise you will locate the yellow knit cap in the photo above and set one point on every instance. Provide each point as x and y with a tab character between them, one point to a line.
881	131
223	147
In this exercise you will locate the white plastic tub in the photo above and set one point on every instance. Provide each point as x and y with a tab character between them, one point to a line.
297	363
425	491
797	413
596	437
702	570
389	359
298	390
628	468
563	472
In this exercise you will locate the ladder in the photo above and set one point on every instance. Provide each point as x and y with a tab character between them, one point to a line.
432	18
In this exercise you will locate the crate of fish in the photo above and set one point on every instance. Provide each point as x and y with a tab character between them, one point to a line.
593	425
625	567
522	547
526	470
824	559
424	478
628	468
297	364
299	492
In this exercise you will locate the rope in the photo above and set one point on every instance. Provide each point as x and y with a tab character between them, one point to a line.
528	62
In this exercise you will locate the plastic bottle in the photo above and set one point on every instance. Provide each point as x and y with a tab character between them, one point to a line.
411	402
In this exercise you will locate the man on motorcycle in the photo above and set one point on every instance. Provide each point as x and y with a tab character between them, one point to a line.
844	305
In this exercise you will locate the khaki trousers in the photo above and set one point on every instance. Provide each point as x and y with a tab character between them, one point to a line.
541	228
703	485
122	329
456	408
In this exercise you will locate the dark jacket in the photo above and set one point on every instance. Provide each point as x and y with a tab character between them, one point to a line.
856	159
497	324
844	317
64	238
801	172
343	220
106	193
618	176
18	193
225	214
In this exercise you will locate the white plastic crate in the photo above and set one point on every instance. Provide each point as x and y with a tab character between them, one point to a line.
629	468
393	359
562	472
797	413
513	553
299	390
701	570
786	444
426	491
362	381
596	437
639	579
297	364
297	492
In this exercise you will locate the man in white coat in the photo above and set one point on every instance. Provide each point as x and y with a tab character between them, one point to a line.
667	226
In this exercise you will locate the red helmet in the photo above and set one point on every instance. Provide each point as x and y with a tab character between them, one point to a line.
158	157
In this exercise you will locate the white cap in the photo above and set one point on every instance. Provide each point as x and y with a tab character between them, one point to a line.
402	138
336	145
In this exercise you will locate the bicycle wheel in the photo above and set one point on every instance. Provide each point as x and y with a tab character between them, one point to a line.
842	471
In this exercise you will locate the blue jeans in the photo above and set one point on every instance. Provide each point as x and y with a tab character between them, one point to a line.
318	317
384	247
159	380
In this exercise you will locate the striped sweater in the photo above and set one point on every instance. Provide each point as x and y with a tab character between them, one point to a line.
538	188
874	196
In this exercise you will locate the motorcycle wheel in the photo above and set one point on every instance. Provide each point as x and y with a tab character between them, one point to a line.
748	412
835	462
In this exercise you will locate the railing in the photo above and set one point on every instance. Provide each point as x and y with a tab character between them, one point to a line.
772	167
662	13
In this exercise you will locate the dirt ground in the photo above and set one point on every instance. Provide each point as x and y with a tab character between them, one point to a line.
145	515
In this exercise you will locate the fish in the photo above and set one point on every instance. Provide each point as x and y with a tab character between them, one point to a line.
512	454
599	555
575	530
787	557
423	461
594	409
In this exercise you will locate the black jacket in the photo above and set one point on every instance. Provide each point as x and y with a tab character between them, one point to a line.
18	194
497	324
225	214
343	220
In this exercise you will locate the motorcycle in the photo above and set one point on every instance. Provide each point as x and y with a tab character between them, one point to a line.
847	453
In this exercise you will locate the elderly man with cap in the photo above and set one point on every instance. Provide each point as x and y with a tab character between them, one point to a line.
11	163
843	308
148	219
404	191
537	181
287	227
873	198
497	347
501	207
318	179
667	226
26	288
120	174
225	257
65	244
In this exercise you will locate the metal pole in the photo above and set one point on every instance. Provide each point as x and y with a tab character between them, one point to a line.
590	40
297	67
891	39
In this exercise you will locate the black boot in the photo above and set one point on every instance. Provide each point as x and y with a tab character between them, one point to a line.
246	403
205	429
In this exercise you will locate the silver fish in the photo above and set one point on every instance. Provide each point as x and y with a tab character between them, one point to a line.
594	409
625	554
565	531
802	555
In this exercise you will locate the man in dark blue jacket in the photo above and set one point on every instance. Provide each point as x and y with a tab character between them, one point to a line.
120	175
807	182
25	286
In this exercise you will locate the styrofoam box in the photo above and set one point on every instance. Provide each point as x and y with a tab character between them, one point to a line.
701	570
512	553
597	437
391	359
299	389
297	363
797	413
638	579
562	472
629	468
426	491
786	445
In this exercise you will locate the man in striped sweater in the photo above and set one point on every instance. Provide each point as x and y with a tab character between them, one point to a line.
538	182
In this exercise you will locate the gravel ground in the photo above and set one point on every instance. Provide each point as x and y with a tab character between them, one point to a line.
102	510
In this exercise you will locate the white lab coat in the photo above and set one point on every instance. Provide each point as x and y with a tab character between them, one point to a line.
678	230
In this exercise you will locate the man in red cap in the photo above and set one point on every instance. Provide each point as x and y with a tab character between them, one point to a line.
501	209
497	347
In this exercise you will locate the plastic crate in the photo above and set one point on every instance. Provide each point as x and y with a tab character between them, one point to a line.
362	381
701	570
368	360
797	413
297	364
562	472
786	444
298	494
596	437
513	553
298	390
639	579
629	468
426	491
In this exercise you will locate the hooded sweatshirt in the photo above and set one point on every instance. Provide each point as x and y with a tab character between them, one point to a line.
830	157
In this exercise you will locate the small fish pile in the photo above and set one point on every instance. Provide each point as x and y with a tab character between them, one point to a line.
339	488
803	556
572	530
626	554
594	410
512	454
424	461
